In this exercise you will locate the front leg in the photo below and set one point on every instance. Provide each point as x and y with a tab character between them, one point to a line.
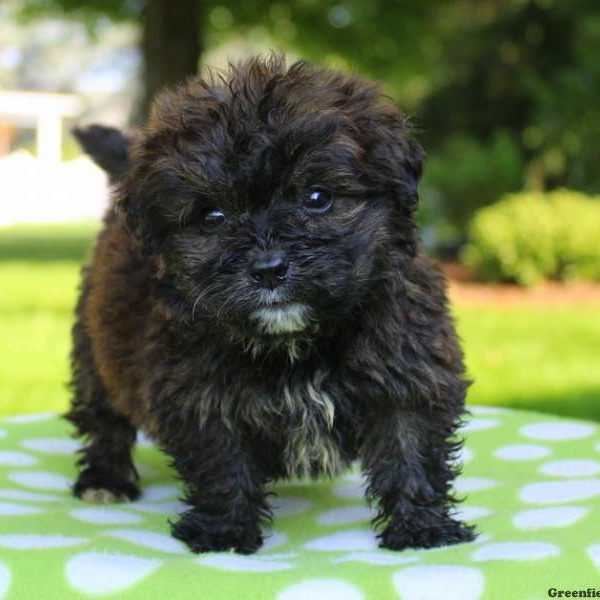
406	458
224	487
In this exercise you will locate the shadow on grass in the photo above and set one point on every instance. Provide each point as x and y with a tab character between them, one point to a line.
578	403
47	243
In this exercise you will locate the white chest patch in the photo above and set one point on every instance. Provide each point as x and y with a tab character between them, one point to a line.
311	448
281	319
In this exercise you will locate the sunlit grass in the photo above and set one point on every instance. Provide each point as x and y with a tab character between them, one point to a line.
36	307
544	359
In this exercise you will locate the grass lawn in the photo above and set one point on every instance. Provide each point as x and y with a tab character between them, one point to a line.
545	359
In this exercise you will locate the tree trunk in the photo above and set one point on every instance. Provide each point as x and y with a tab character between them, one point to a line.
170	47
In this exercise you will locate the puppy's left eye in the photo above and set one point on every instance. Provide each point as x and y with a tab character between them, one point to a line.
212	219
318	200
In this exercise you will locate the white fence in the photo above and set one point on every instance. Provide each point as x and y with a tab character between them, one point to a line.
41	191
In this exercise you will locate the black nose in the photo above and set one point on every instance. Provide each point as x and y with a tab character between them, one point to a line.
270	268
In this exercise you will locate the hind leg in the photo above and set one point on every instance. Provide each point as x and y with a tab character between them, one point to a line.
106	469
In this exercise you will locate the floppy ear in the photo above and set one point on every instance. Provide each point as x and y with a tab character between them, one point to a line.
129	202
397	159
107	147
396	166
412	165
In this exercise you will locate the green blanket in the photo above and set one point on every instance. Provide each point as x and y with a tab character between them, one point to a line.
532	484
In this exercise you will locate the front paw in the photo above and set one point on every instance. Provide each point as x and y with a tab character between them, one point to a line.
202	533
100	487
426	533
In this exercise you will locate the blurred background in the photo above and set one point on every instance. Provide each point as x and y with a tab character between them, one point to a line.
505	96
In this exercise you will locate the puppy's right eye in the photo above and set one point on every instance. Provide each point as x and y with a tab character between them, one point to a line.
212	219
318	200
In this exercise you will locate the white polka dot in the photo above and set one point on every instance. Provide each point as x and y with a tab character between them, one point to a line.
95	573
41	480
571	468
540	518
10	509
32	541
144	441
553	492
2	433
432	582
468	513
522	452
4	580
321	588
33	496
62	446
359	539
479	425
35	418
352	489
464	455
516	551
104	516
355	475
274	540
232	562
347	514
557	431
161	508
284	506
594	554
487	410
375	558
149	539
474	484
156	493
16	459
482	538
277	555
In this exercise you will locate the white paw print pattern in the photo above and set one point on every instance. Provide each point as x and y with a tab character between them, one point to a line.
347	514
41	480
10	458
321	588
151	540
103	574
344	541
4	580
555	516
480	425
518	551
571	468
52	445
522	452
235	562
284	506
10	509
556	492
434	582
33	541
104	516
558	431
522	482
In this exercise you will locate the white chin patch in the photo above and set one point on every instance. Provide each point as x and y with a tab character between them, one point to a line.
284	319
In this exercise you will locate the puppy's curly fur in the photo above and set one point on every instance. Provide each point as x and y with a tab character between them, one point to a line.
258	303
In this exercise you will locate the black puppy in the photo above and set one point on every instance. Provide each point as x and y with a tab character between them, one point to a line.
257	302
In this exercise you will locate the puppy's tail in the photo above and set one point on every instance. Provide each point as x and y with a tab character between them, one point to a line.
107	147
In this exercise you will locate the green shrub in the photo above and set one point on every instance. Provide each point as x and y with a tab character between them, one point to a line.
529	237
464	175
